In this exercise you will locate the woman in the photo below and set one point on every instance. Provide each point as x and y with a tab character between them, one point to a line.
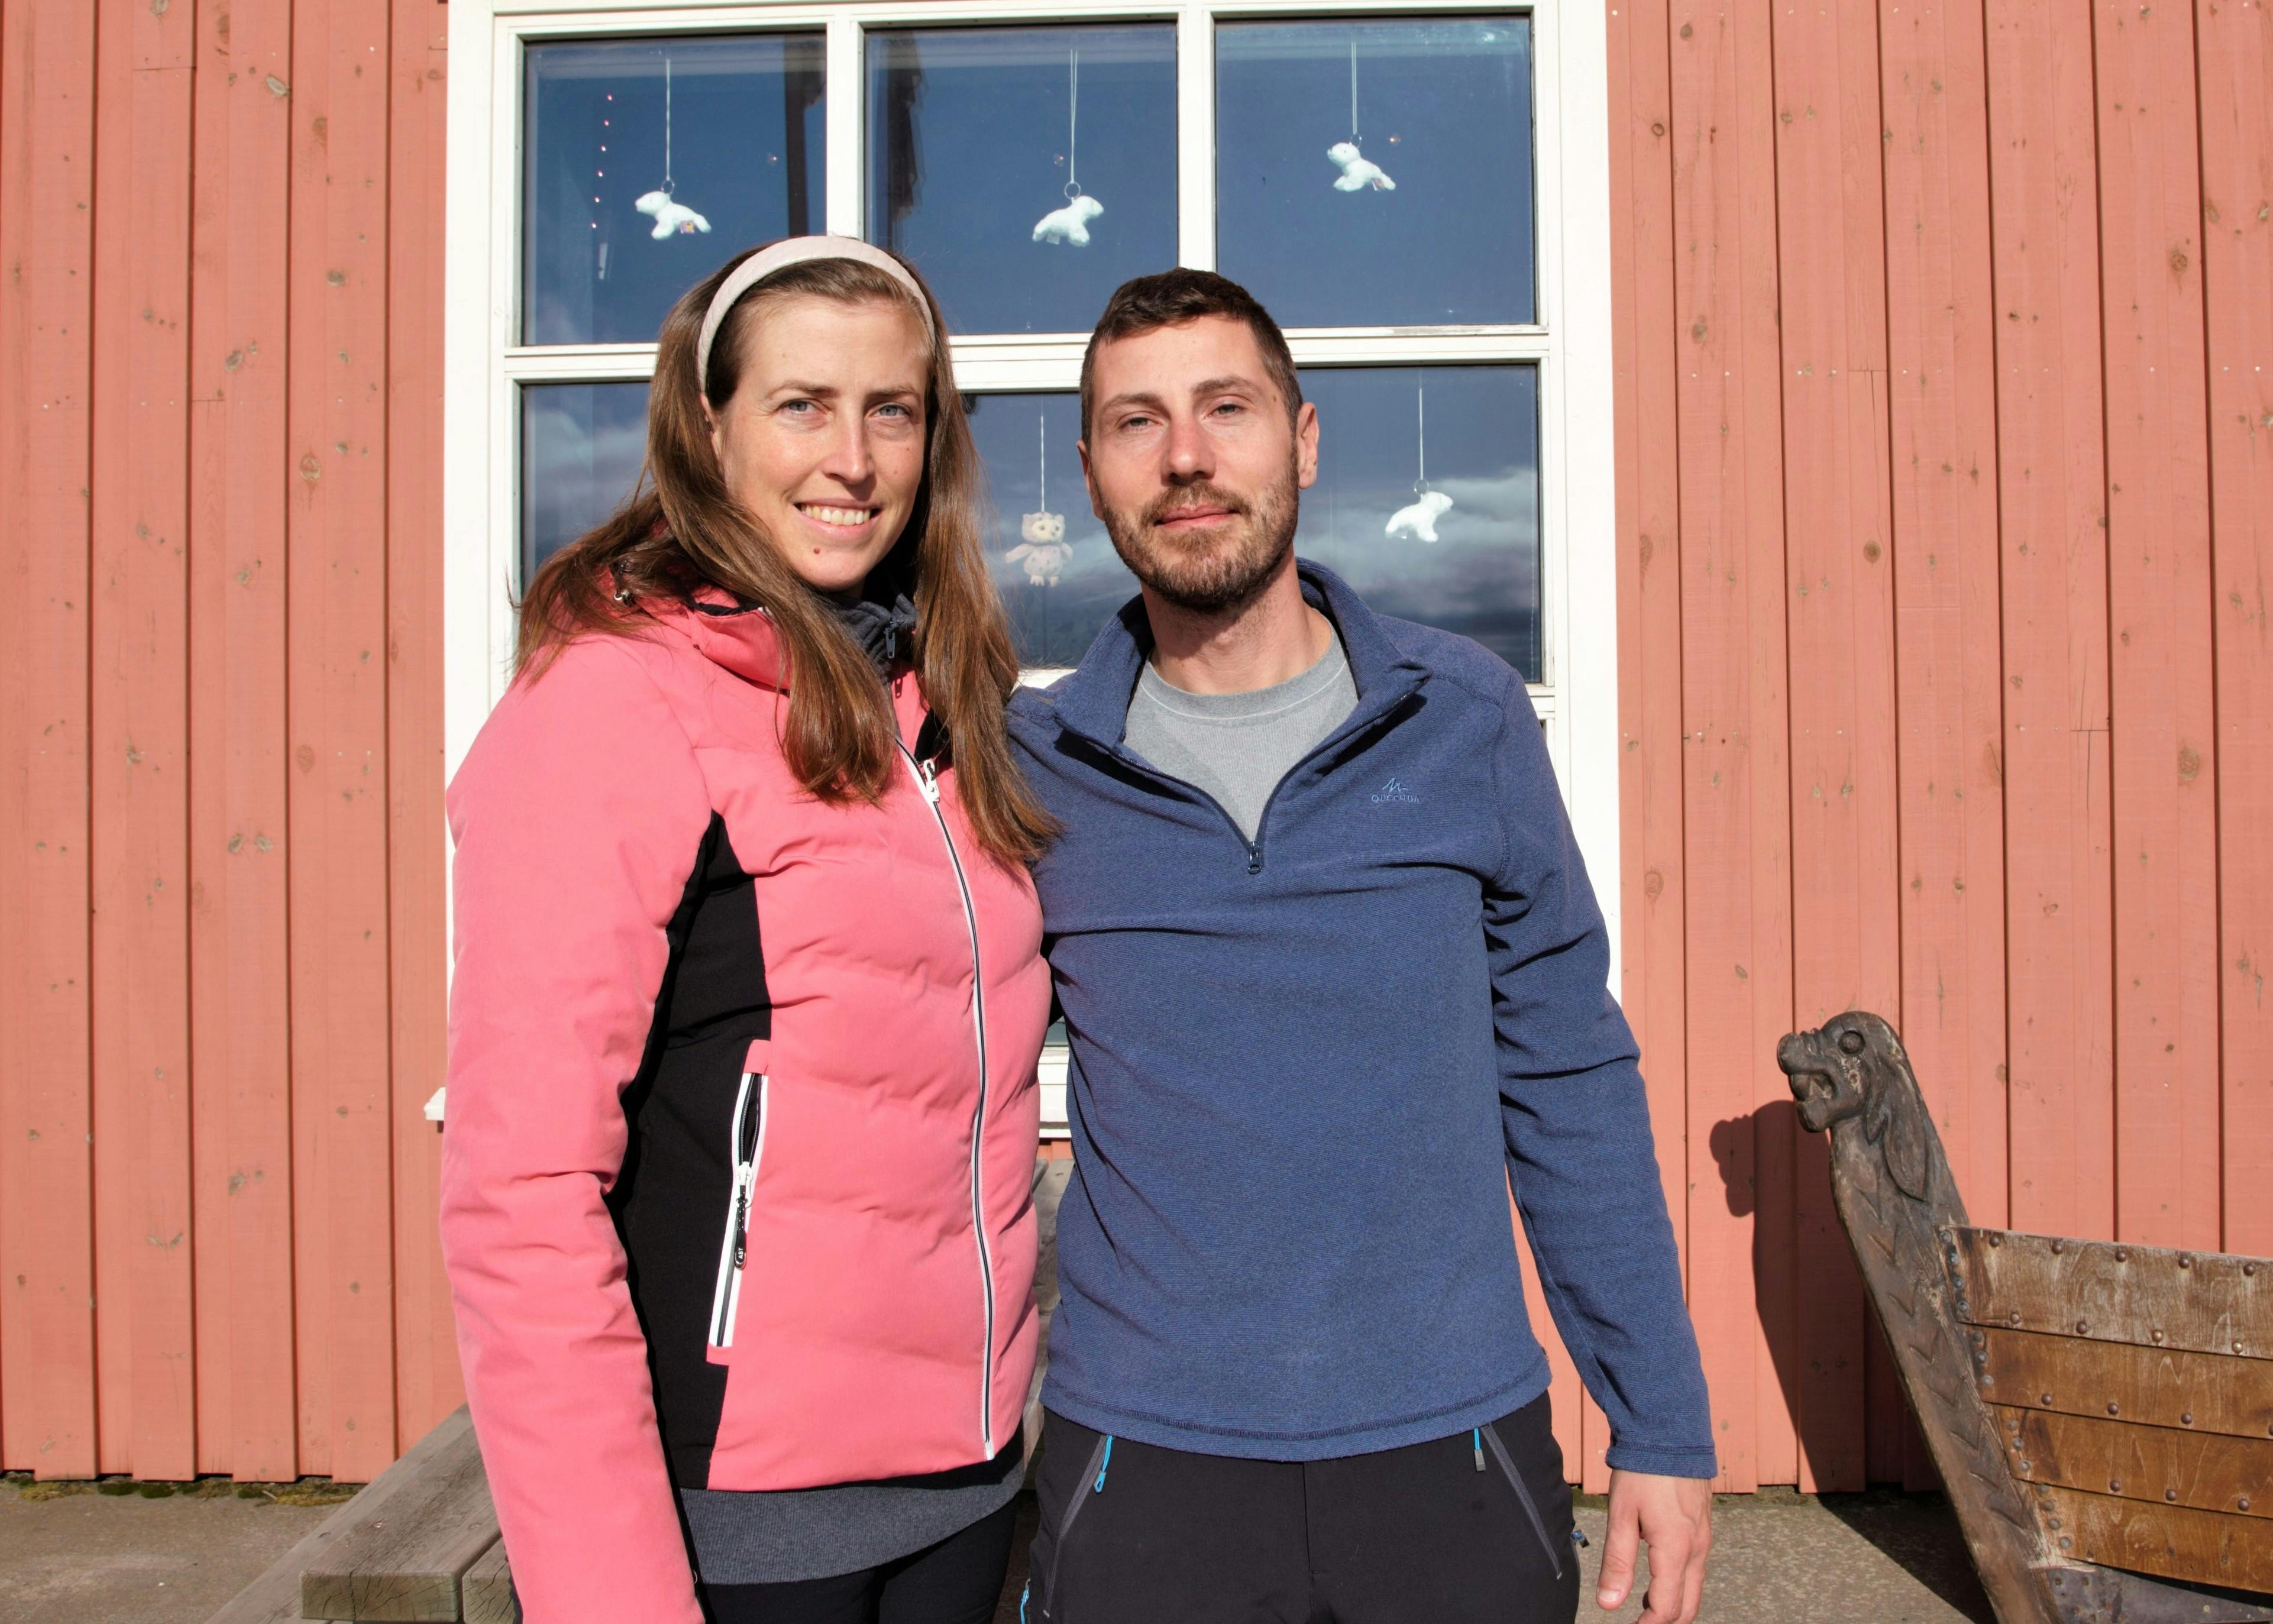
748	996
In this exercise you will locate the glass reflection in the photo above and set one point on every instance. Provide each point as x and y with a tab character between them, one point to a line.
1405	453
1051	559
1028	171
582	448
1378	174
649	161
1408	454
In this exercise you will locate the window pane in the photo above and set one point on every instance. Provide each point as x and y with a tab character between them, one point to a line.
1369	516
978	136
1436	228
720	140
582	446
1061	584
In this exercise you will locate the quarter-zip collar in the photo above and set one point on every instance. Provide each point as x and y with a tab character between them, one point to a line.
1092	703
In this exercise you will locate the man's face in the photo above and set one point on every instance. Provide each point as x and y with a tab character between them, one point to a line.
1194	463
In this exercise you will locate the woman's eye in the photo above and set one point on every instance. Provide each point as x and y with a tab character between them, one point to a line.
894	410
801	409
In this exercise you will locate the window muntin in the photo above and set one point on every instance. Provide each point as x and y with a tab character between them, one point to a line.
1445	114
977	136
581	446
745	132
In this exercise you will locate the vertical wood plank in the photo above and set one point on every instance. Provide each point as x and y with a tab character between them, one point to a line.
2165	752
1735	810
240	962
336	542
1844	903
1650	717
46	1267
2052	490
137	697
426	1356
1941	353
2234	49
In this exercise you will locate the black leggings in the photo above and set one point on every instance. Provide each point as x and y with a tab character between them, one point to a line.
959	1580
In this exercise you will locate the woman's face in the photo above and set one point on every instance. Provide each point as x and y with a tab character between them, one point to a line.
823	439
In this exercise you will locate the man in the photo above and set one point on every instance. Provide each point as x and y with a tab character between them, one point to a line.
1334	980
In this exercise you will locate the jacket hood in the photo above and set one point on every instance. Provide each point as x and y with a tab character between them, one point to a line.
735	639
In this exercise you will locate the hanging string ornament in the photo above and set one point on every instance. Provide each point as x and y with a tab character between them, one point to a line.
1358	171
672	218
1070	223
1044	550
1418	518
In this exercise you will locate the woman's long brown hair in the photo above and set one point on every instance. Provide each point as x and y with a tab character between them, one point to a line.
682	530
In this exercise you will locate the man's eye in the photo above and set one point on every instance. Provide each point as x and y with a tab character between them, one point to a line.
1221	407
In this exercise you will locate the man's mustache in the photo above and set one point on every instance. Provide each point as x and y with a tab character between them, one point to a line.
1191	500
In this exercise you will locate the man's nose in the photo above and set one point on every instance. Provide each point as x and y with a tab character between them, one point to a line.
1190	458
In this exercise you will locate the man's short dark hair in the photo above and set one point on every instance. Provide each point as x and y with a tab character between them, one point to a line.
1171	298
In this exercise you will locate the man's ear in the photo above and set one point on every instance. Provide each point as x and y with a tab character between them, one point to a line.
1306	446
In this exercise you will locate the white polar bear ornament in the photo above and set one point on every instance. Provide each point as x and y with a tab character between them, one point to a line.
669	215
1044	560
1358	170
1418	520
1069	224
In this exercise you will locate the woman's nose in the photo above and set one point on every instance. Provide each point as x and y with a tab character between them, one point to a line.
849	457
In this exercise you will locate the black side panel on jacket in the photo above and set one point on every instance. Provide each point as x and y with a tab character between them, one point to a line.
671	1199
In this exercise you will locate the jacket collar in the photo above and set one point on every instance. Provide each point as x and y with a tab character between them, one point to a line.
738	640
1093	701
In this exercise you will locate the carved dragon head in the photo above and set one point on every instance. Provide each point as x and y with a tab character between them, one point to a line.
1853	1067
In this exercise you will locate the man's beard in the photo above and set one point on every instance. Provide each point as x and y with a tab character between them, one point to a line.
1222	568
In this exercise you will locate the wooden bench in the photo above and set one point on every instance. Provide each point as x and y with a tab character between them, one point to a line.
420	1543
2101	1415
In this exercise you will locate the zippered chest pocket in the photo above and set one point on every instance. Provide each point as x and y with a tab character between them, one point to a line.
745	1150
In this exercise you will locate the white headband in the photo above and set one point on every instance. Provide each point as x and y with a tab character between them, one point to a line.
789	252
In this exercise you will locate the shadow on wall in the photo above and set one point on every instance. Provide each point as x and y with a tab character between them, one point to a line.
1930	1549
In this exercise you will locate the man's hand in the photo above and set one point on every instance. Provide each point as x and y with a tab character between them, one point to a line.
1675	1516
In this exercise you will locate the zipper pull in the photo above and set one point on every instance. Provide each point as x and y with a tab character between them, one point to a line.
1477	1438
741	1217
927	775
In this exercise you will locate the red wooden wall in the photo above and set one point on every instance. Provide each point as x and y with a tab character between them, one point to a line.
220	844
1945	373
1945	395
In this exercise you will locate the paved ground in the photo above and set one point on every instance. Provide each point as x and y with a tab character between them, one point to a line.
84	1558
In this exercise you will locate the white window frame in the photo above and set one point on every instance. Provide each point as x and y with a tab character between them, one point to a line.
485	366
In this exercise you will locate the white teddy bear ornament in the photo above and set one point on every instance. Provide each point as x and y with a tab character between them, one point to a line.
1358	170
1419	519
1069	224
670	215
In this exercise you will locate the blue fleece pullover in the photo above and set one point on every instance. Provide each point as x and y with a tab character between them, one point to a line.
1307	1070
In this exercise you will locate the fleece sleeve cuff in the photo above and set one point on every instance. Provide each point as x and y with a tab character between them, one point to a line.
1662	1463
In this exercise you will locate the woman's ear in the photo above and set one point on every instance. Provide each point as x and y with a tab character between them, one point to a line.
710	422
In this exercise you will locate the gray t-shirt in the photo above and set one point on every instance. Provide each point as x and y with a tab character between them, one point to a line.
1237	746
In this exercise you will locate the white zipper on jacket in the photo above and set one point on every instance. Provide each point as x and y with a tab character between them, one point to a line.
746	1147
928	786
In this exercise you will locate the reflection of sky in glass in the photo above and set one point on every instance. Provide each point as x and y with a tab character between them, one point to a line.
746	131
582	446
1053	623
968	150
1479	578
1445	110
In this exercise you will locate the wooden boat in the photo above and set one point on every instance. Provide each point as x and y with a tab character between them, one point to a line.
2101	1414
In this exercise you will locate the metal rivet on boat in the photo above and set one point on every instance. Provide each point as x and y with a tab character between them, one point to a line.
2110	1409
2082	1327
2122	1256
2249	1269
2158	1339
2059	1246
2013	1318
2048	1398
2065	1543
2114	1485
2186	1417
2186	1260
2170	1495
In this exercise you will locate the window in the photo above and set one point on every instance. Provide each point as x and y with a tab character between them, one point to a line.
1418	193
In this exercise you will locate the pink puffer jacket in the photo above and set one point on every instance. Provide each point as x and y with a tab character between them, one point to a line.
741	1112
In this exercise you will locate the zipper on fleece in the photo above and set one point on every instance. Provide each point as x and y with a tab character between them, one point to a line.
926	778
747	1148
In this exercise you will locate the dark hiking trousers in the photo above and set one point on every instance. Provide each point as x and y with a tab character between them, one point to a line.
1472	1529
